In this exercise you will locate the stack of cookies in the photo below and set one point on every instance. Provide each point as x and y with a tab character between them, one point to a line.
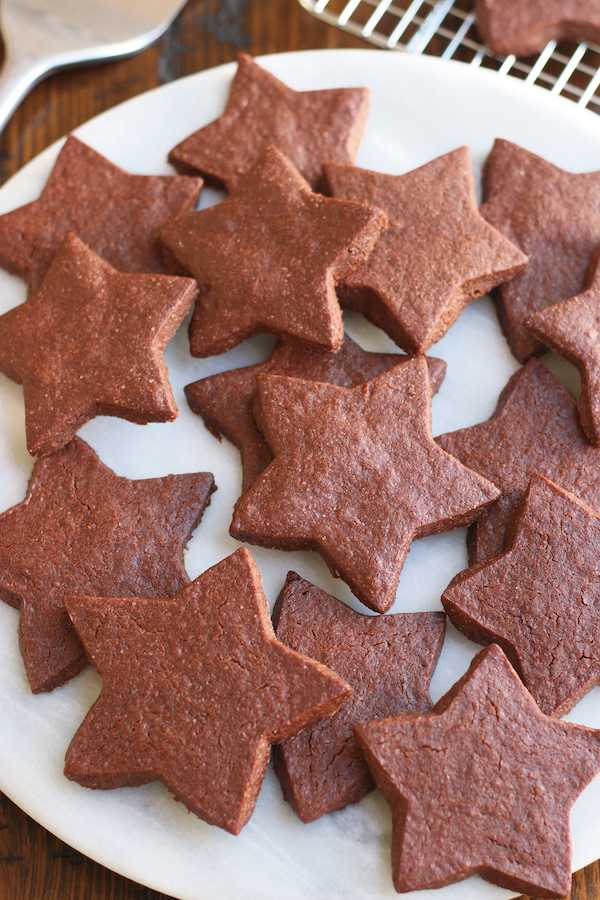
338	457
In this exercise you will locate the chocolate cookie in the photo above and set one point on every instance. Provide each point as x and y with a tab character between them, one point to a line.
309	127
268	258
483	784
116	213
572	329
222	690
356	475
436	254
90	343
225	400
539	600
535	428
82	529
511	26
554	217
387	660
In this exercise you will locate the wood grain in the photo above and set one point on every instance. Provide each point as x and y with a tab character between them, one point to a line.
35	865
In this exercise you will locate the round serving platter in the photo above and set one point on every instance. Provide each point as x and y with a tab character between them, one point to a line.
421	108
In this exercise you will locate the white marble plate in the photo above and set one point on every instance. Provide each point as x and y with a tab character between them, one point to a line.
421	108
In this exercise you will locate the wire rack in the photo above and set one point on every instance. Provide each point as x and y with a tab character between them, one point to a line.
447	28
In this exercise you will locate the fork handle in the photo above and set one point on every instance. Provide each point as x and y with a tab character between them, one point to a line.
20	71
16	80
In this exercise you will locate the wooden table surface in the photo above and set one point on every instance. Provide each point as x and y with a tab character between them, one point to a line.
35	865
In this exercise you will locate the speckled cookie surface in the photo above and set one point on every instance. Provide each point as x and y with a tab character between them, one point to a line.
554	217
387	660
535	428
90	342
436	254
223	689
484	783
309	127
572	329
82	529
116	213
539	600
356	475
225	401
267	259
511	26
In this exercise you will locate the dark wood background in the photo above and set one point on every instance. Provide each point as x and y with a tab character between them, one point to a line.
35	865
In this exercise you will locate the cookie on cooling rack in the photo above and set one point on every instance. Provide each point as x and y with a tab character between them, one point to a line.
524	28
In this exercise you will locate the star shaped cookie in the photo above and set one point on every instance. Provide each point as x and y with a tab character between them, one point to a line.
268	258
309	127
387	660
436	254
115	213
539	600
572	329
90	343
356	476
554	217
535	428
82	529
222	689
483	784
225	401
508	26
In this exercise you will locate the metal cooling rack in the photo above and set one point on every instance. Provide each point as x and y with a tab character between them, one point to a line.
447	28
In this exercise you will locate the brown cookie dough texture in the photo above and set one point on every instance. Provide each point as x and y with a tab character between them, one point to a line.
268	259
309	127
540	599
225	401
356	476
483	784
554	217
436	254
115	213
195	690
572	329
387	660
535	428
82	529
89	343
511	26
